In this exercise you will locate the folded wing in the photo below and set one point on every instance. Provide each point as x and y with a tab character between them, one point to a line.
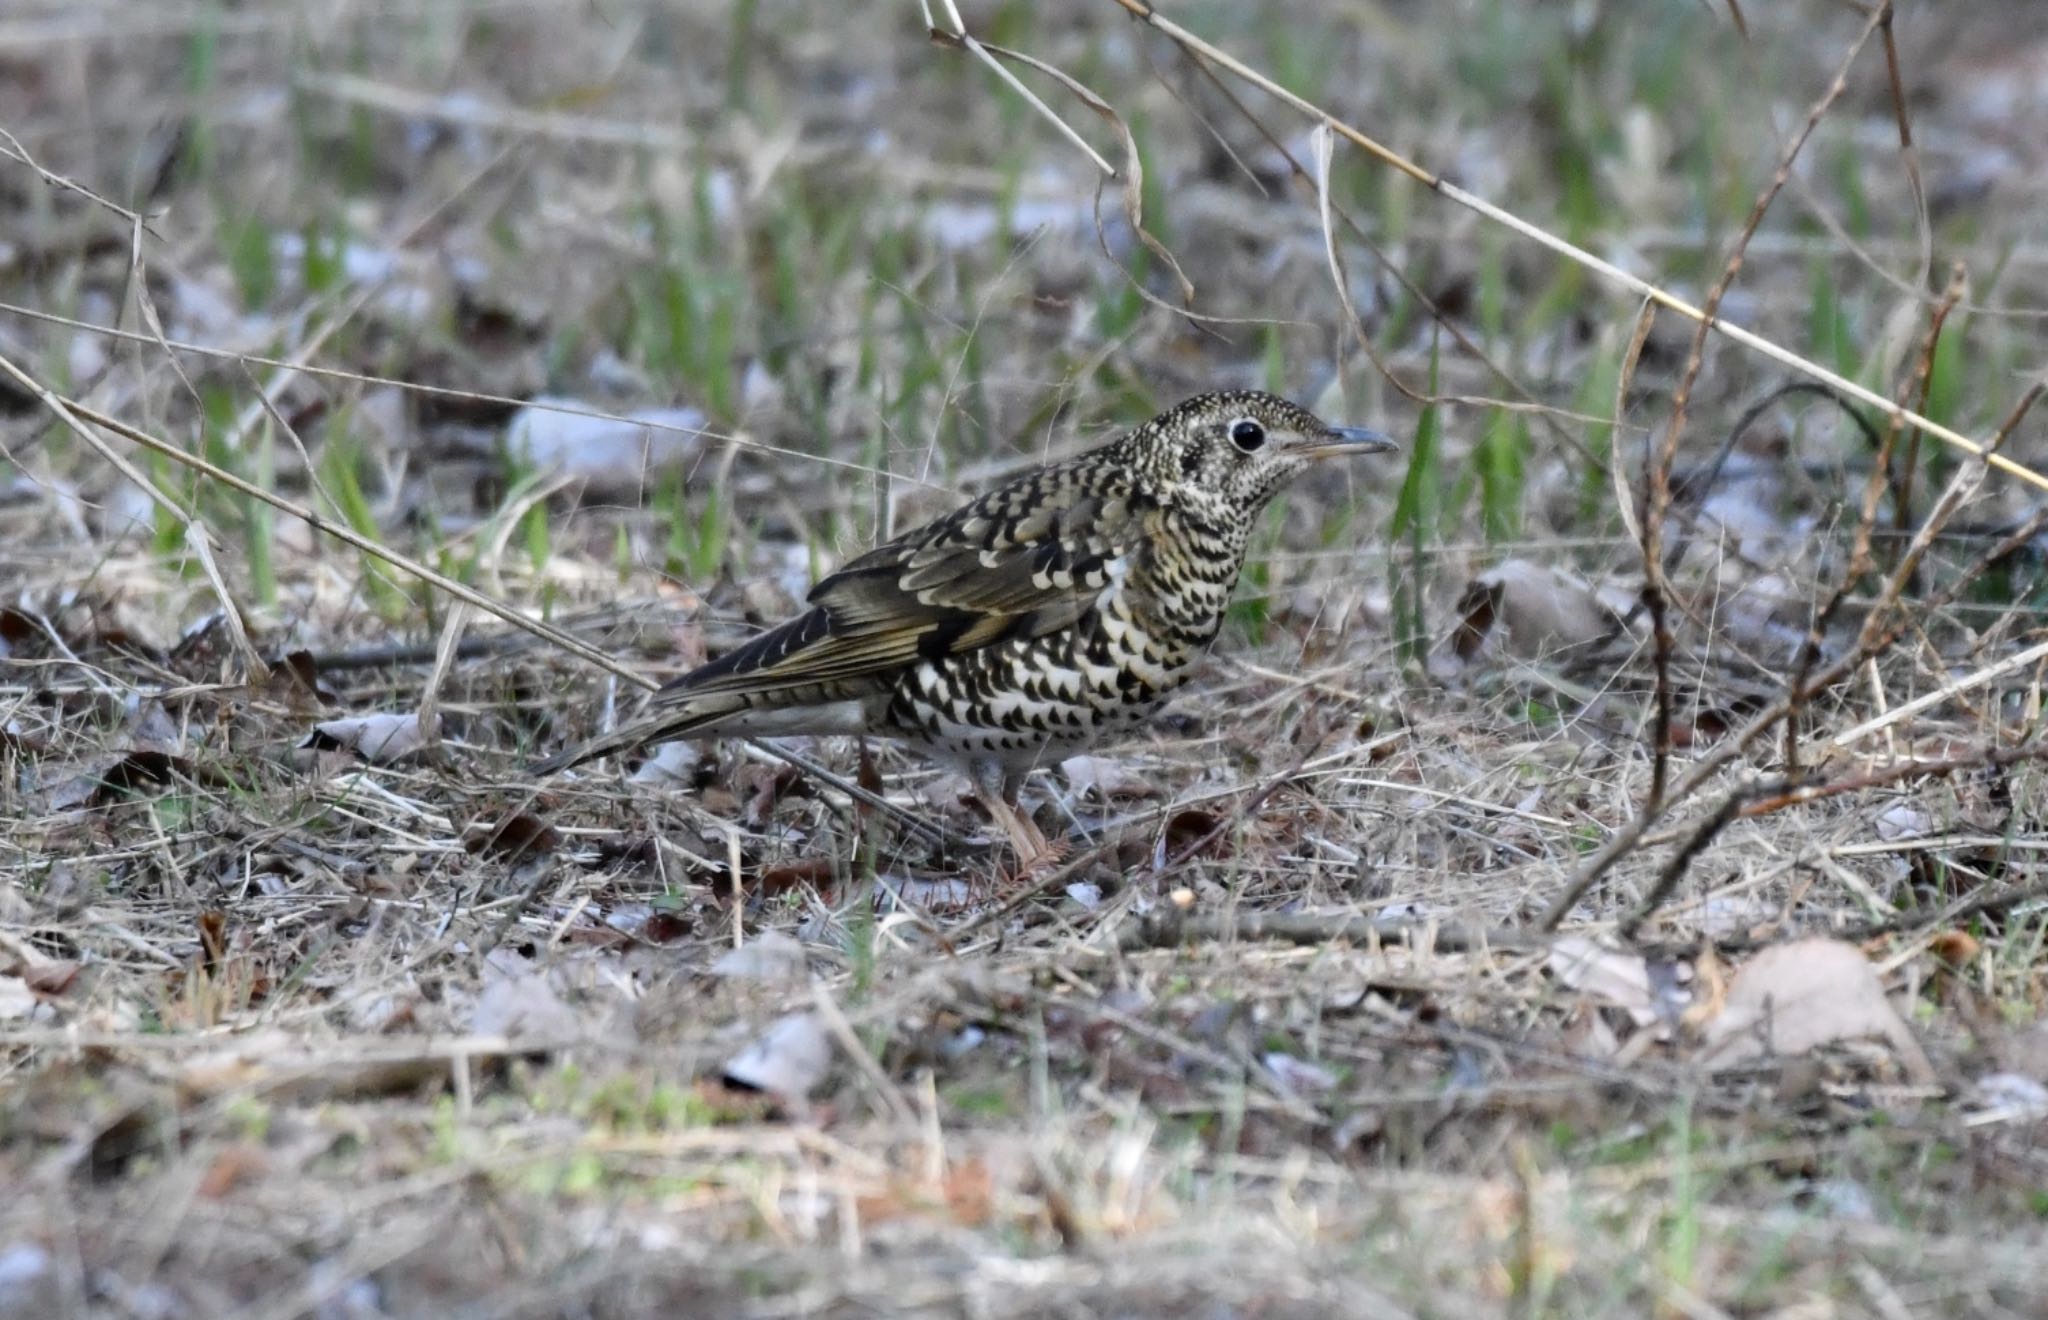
1021	561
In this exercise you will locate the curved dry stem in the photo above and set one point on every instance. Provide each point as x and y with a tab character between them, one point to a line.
1607	270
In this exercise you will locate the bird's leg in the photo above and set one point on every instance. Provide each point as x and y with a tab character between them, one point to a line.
1034	851
997	793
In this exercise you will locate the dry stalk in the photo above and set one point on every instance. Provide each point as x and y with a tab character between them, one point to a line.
1874	640
1780	792
1923	382
1656	587
118	335
1607	270
1860	560
960	37
1060	876
76	414
1321	148
339	531
1132	177
1167	927
197	538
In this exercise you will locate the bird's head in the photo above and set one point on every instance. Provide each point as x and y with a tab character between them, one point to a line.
1227	455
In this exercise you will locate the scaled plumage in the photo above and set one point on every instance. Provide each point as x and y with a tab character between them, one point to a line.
1033	622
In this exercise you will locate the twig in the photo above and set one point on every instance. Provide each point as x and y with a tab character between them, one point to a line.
1976	905
1780	792
460	591
449	393
1624	501
349	536
197	539
932	830
2032	655
1656	587
1675	869
1607	270
1066	871
1316	184
959	36
1131	178
1923	382
1057	878
1874	638
1788	793
1866	524
1167	928
1692	489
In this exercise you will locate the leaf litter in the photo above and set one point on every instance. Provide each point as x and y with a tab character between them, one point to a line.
354	996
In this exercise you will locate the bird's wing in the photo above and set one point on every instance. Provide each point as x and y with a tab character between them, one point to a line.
1023	560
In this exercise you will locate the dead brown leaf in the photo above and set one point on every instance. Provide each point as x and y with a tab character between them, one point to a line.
109	780
1533	609
519	837
1796	997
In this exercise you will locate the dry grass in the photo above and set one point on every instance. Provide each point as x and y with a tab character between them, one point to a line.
288	1029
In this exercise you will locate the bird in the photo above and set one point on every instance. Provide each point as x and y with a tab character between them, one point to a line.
1043	618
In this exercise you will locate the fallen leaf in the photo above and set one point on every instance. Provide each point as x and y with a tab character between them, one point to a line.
52	977
378	739
1107	778
1957	948
765	786
234	1166
25	1267
1186	828
787	1060
1796	997
1588	1035
17	1001
780	879
1609	975
2009	1096
672	763
948	791
1903	821
17	955
611	456
1535	610
770	956
108	780
297	675
1299	1075
17	629
666	927
518	1002
521	836
15	737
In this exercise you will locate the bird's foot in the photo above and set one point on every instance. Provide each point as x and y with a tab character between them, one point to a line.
1029	867
1033	856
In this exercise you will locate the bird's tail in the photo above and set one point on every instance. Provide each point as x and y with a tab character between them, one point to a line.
675	722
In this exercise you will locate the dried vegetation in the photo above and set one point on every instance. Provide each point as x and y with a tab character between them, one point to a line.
1596	875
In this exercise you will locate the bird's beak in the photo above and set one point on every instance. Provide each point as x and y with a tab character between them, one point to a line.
1347	441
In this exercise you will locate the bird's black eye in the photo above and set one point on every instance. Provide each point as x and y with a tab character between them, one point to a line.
1247	435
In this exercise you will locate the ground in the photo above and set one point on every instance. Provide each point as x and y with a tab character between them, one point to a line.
1463	942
